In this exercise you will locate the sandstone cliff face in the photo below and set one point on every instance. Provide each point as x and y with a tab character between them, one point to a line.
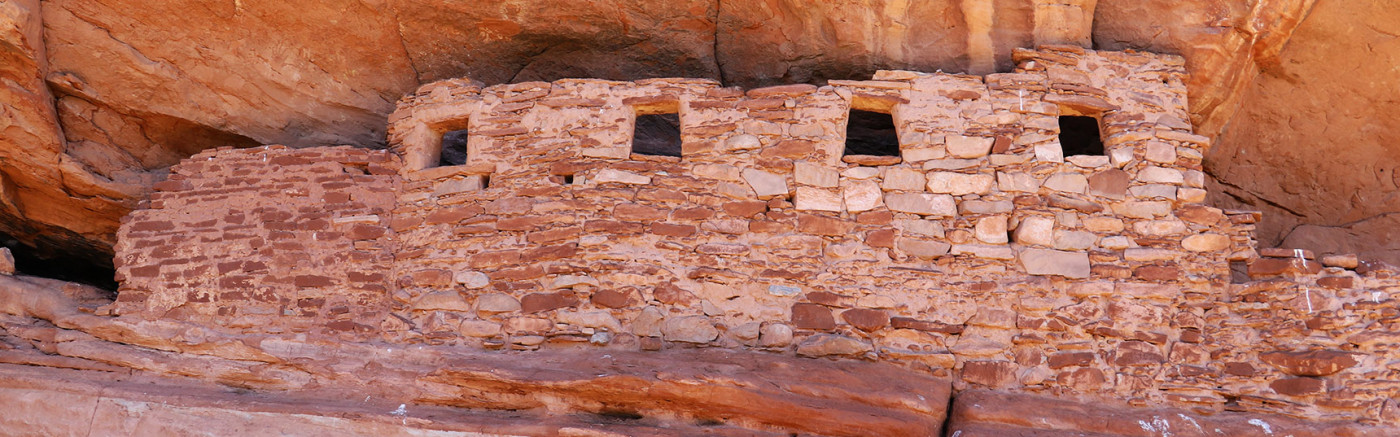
119	90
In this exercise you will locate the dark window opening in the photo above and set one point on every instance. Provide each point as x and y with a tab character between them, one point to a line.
485	181
871	133
454	148
1079	135
658	135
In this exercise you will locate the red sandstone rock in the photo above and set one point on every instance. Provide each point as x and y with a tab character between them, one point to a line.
984	413
812	316
1310	363
866	319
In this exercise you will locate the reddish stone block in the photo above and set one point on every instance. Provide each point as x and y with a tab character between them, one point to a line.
994	374
1199	214
312	281
825	298
611	227
1310	363
1138	353
453	215
790	148
819	225
672	230
671	294
745	208
812	316
923	325
1158	273
1303	386
662	195
366	232
866	319
880	238
525	223
547	253
875	218
431	277
1112	183
153	226
518	274
696	213
1271	267
612	298
635	212
1084	379
494	259
769	227
540	302
1335	282
1066	359
1002	143
554	235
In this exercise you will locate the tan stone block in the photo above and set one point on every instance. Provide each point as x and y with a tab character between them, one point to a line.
1067	182
904	179
931	228
441	301
816	175
924	153
1017	182
766	184
1055	262
735	190
742	142
1120	156
952	164
1149	254
1088	161
1143	210
984	251
935	205
968	147
1160	228
1160	175
1036	230
1191	195
1074	240
959	184
862	195
1160	152
626	177
1049	152
816	199
1205	243
1153	191
1108	225
479	328
991	229
922	248
723	172
861	173
1116	242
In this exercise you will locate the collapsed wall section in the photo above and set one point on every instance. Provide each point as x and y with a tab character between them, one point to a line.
268	239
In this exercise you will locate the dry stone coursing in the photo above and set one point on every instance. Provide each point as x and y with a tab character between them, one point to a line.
754	226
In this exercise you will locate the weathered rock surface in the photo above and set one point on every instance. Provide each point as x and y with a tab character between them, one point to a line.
978	413
1312	146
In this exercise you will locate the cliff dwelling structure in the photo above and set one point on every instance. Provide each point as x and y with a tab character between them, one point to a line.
1037	247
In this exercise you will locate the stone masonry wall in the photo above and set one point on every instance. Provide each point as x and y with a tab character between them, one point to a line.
268	239
981	252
